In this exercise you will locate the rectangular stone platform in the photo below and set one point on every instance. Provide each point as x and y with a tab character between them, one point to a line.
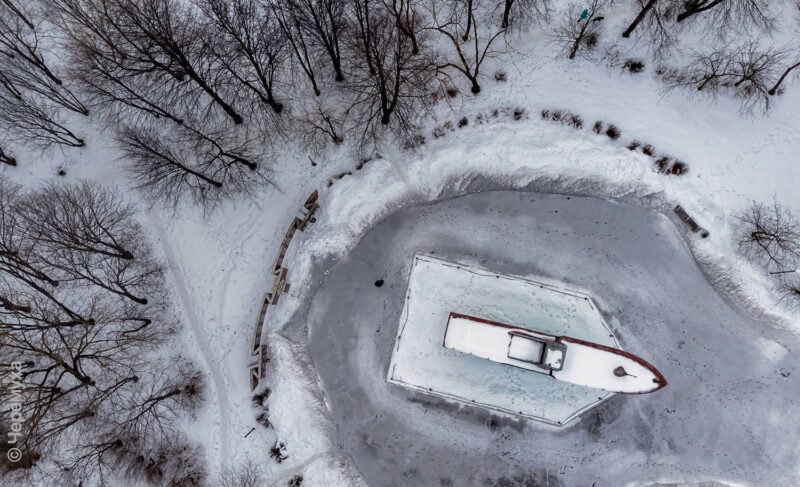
420	361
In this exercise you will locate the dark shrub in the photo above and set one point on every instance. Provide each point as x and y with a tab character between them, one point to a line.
451	91
296	481
634	65
576	121
613	132
634	145
463	122
545	114
500	76
679	167
649	150
557	115
597	127
663	163
519	112
591	40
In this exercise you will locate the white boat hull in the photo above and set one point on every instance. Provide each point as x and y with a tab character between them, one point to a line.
563	358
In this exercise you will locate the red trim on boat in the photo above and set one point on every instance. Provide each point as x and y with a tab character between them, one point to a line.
662	382
490	322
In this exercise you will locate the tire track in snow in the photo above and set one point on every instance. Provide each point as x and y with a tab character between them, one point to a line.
219	393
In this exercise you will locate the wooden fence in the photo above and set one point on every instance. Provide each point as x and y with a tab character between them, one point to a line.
279	286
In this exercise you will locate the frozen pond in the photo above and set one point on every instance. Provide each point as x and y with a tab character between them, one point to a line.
730	410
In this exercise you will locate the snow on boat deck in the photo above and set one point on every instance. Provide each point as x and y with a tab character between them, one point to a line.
420	362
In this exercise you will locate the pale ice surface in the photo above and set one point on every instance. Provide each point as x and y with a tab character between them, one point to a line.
730	411
437	287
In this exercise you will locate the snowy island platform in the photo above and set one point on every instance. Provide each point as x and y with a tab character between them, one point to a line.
420	361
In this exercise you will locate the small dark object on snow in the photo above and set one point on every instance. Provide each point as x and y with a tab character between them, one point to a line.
634	65
690	221
278	452
597	19
62	171
621	372
296	481
463	122
379	283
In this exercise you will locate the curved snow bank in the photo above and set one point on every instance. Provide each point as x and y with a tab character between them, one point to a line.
534	157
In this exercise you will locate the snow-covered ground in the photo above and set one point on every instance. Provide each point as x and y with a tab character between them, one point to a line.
219	265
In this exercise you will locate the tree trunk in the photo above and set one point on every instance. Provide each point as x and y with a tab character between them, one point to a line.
774	89
469	21
638	18
506	13
476	88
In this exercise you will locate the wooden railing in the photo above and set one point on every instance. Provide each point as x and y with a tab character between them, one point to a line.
690	221
279	286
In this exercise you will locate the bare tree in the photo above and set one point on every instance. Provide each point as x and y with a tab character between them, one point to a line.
83	315
389	82
321	125
782	78
769	235
746	70
656	18
19	39
734	13
291	22
252	49
789	289
536	10
646	9
21	79
151	54
247	473
31	122
9	4
314	29
580	31
471	54
171	164
408	19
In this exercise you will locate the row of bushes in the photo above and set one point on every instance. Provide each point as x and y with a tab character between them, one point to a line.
507	113
663	163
